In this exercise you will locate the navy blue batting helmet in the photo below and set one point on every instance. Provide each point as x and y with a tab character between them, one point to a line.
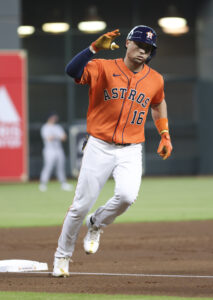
145	34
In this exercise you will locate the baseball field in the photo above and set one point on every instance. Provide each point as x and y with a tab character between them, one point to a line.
160	249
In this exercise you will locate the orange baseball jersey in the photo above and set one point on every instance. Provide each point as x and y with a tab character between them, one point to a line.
119	99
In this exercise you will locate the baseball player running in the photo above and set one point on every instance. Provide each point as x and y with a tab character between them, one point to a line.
53	135
121	92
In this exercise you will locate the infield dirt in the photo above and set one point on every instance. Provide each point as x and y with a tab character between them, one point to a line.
176	248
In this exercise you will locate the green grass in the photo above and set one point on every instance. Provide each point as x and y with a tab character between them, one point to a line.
48	296
160	199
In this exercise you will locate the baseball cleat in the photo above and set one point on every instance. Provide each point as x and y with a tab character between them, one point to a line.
66	187
61	267
92	238
42	187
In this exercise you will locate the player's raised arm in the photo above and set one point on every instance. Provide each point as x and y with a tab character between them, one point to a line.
76	66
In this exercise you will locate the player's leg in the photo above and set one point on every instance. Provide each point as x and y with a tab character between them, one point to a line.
60	166
60	171
97	165
49	159
127	176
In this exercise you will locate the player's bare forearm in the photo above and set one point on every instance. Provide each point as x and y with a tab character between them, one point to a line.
159	111
64	138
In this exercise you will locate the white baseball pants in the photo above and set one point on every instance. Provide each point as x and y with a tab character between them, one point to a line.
100	160
53	158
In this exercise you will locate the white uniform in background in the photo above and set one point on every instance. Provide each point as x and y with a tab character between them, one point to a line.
53	155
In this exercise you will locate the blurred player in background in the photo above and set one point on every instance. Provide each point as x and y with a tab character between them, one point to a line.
53	135
121	92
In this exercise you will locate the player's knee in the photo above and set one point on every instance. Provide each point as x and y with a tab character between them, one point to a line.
79	211
126	198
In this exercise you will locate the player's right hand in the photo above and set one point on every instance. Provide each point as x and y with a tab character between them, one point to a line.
165	146
104	42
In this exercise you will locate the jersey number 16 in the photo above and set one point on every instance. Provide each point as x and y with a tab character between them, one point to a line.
137	117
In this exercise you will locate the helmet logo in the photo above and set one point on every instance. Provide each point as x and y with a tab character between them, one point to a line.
149	35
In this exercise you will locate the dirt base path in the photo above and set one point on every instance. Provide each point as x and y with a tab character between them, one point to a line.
182	248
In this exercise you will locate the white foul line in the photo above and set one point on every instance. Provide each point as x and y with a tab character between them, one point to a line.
141	275
127	274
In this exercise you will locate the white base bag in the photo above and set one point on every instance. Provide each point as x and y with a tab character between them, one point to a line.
21	265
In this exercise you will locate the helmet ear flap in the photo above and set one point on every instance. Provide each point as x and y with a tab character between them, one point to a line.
148	59
151	55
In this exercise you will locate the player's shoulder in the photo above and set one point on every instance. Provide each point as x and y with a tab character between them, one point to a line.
101	64
156	75
44	126
102	61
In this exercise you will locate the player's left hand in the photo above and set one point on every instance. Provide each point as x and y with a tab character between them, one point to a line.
104	42
165	146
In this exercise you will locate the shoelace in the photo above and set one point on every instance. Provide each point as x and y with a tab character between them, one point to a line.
65	259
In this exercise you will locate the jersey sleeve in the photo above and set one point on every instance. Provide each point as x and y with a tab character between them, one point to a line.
91	72
44	132
59	132
76	66
160	95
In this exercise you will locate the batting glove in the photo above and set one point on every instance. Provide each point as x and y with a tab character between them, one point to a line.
104	42
165	146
